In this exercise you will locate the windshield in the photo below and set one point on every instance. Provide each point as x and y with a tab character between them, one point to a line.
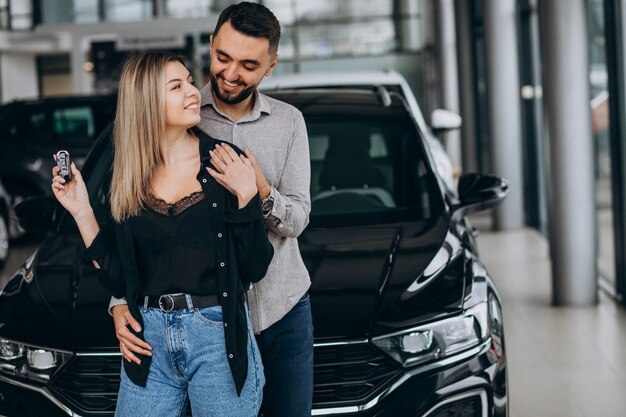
369	170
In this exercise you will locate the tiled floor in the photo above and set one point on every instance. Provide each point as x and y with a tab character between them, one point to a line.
563	361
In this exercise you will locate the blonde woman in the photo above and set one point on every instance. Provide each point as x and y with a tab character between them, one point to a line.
185	241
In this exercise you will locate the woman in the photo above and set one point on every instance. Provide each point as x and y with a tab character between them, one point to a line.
185	242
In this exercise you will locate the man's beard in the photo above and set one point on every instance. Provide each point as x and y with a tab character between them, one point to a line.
231	99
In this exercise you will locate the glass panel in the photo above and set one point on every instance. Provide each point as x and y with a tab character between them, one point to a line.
91	11
127	10
21	15
600	125
352	39
188	8
69	11
85	11
331	28
287	11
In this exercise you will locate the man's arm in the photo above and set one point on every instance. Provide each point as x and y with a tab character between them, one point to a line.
129	343
292	199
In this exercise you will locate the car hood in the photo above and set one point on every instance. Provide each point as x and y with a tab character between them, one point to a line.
58	307
360	278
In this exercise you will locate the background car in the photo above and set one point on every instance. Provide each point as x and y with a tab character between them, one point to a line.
31	131
407	320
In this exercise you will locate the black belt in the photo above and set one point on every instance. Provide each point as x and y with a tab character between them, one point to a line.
169	302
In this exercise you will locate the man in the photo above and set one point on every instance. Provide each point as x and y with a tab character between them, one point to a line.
273	135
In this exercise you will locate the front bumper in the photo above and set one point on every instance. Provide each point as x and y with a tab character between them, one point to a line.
470	384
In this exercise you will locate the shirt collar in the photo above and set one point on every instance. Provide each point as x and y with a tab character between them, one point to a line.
261	104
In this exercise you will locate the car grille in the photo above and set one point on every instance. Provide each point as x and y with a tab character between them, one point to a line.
89	385
350	374
343	374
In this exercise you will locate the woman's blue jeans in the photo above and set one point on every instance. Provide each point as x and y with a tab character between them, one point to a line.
189	359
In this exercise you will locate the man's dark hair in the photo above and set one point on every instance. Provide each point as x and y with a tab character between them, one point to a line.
252	19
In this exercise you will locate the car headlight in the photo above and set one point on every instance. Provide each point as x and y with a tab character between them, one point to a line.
438	339
19	360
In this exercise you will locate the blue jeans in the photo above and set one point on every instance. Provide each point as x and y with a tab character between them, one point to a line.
189	359
287	352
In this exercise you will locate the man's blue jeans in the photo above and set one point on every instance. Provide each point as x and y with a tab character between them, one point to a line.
287	353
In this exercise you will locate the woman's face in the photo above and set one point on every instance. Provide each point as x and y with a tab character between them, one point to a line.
182	98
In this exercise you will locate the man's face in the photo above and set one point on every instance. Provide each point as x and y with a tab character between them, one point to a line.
238	64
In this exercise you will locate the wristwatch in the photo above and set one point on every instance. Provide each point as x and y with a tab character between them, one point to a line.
267	204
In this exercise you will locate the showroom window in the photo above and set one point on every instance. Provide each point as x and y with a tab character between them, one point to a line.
329	28
93	11
614	116
16	15
599	93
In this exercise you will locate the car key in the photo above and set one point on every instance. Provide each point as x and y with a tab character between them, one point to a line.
63	162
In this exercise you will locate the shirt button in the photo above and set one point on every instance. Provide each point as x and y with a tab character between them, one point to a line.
214	204
225	324
281	226
251	286
225	294
204	180
222	264
230	355
219	235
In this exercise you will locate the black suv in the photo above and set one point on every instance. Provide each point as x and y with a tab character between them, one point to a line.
32	130
407	320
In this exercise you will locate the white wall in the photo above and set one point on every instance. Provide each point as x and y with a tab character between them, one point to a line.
18	75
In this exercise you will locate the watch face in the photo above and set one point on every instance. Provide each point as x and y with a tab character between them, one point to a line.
267	204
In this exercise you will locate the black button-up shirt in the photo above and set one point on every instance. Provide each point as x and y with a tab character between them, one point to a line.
243	255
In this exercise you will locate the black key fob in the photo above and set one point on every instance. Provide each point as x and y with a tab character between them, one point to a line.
63	162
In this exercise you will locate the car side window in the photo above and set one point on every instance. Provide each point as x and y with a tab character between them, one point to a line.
74	123
64	126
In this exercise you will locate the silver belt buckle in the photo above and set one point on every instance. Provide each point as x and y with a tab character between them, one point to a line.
171	301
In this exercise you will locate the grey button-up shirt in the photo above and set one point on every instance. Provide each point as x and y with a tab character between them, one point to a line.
276	135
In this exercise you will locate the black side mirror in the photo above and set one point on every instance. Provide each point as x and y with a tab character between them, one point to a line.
35	214
479	192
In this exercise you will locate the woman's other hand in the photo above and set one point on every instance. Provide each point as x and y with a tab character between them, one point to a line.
234	172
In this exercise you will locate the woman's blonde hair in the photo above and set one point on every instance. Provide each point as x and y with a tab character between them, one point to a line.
139	128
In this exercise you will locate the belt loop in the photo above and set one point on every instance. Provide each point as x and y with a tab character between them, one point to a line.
189	302
145	302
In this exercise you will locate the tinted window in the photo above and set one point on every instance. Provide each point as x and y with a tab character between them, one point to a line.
68	126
